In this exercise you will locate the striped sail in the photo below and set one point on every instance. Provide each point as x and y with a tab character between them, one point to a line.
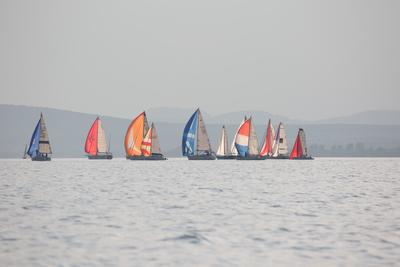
223	143
253	140
234	151
242	138
203	143
135	134
44	143
146	143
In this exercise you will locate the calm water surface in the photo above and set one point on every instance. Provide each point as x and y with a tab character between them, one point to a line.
75	212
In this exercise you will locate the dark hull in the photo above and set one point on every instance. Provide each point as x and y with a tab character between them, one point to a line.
279	157
304	158
251	158
152	157
41	158
202	157
106	156
226	157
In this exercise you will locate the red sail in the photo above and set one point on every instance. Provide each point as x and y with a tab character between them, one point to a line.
267	148
91	139
297	151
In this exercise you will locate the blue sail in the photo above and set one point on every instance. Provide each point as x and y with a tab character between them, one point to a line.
34	145
189	135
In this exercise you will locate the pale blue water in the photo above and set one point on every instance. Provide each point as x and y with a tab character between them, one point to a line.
75	212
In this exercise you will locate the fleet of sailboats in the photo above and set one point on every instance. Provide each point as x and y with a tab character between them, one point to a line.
142	142
96	145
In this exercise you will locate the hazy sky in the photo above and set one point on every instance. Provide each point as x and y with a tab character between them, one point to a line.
301	58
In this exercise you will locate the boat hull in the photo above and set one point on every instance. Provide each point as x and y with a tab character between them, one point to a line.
226	157
202	157
279	157
41	158
105	156
152	157
251	158
304	158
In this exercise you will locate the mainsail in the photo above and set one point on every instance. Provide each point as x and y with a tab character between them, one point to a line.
223	143
253	141
280	146
203	143
101	139
269	141
135	134
44	144
155	142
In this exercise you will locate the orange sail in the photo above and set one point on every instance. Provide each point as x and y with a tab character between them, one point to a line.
134	135
91	139
297	151
147	142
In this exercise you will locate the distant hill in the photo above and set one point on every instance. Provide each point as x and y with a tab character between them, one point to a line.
67	131
372	117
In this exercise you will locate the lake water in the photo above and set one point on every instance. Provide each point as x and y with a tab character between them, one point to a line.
76	212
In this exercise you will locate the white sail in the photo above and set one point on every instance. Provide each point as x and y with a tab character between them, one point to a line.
44	143
280	146
223	144
253	140
155	144
101	139
203	143
303	142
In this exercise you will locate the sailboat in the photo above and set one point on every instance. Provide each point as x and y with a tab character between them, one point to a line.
222	152
141	141
195	142
280	148
39	147
25	152
246	141
269	141
96	145
300	151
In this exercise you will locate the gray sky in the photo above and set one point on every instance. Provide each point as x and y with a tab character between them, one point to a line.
301	58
